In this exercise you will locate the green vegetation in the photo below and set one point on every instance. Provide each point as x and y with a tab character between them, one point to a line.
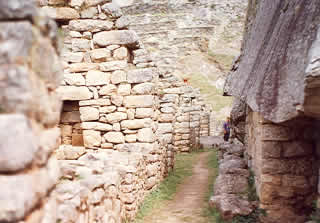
224	60
209	212
212	95
315	214
167	189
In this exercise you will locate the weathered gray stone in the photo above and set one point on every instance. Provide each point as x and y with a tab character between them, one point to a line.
121	37
15	203
258	78
17	9
141	75
112	9
123	22
230	205
113	65
14	43
80	45
143	101
74	79
144	88
16	152
91	25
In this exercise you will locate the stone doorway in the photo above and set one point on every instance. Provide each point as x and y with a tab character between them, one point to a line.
70	124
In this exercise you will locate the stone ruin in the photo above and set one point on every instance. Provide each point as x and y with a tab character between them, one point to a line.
276	81
121	120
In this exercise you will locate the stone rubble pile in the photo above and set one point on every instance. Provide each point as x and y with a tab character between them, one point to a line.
231	186
30	73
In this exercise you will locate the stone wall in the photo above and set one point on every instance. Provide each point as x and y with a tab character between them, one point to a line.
283	158
29	112
276	81
118	117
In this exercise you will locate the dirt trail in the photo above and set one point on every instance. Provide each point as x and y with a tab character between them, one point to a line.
187	205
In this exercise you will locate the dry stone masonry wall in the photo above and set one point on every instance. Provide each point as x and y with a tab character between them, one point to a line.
117	127
279	120
30	73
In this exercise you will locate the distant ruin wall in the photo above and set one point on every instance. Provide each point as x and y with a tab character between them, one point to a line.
30	72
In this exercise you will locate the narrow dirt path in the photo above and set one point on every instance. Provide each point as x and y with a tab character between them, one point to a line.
187	205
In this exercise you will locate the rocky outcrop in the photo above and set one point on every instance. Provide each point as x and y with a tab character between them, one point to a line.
277	73
29	112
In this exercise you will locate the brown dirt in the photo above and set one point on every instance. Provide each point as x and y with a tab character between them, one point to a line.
187	205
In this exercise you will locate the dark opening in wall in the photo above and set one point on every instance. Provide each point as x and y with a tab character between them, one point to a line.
70	124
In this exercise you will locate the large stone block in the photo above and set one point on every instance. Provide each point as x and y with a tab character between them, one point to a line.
96	126
136	123
141	75
119	37
72	93
83	67
60	13
114	137
80	45
95	77
74	79
99	54
143	89
109	89
118	77
143	101
18	144
146	135
91	25
113	65
277	133
144	113
166	117
95	102
124	89
91	138
164	128
116	117
89	114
